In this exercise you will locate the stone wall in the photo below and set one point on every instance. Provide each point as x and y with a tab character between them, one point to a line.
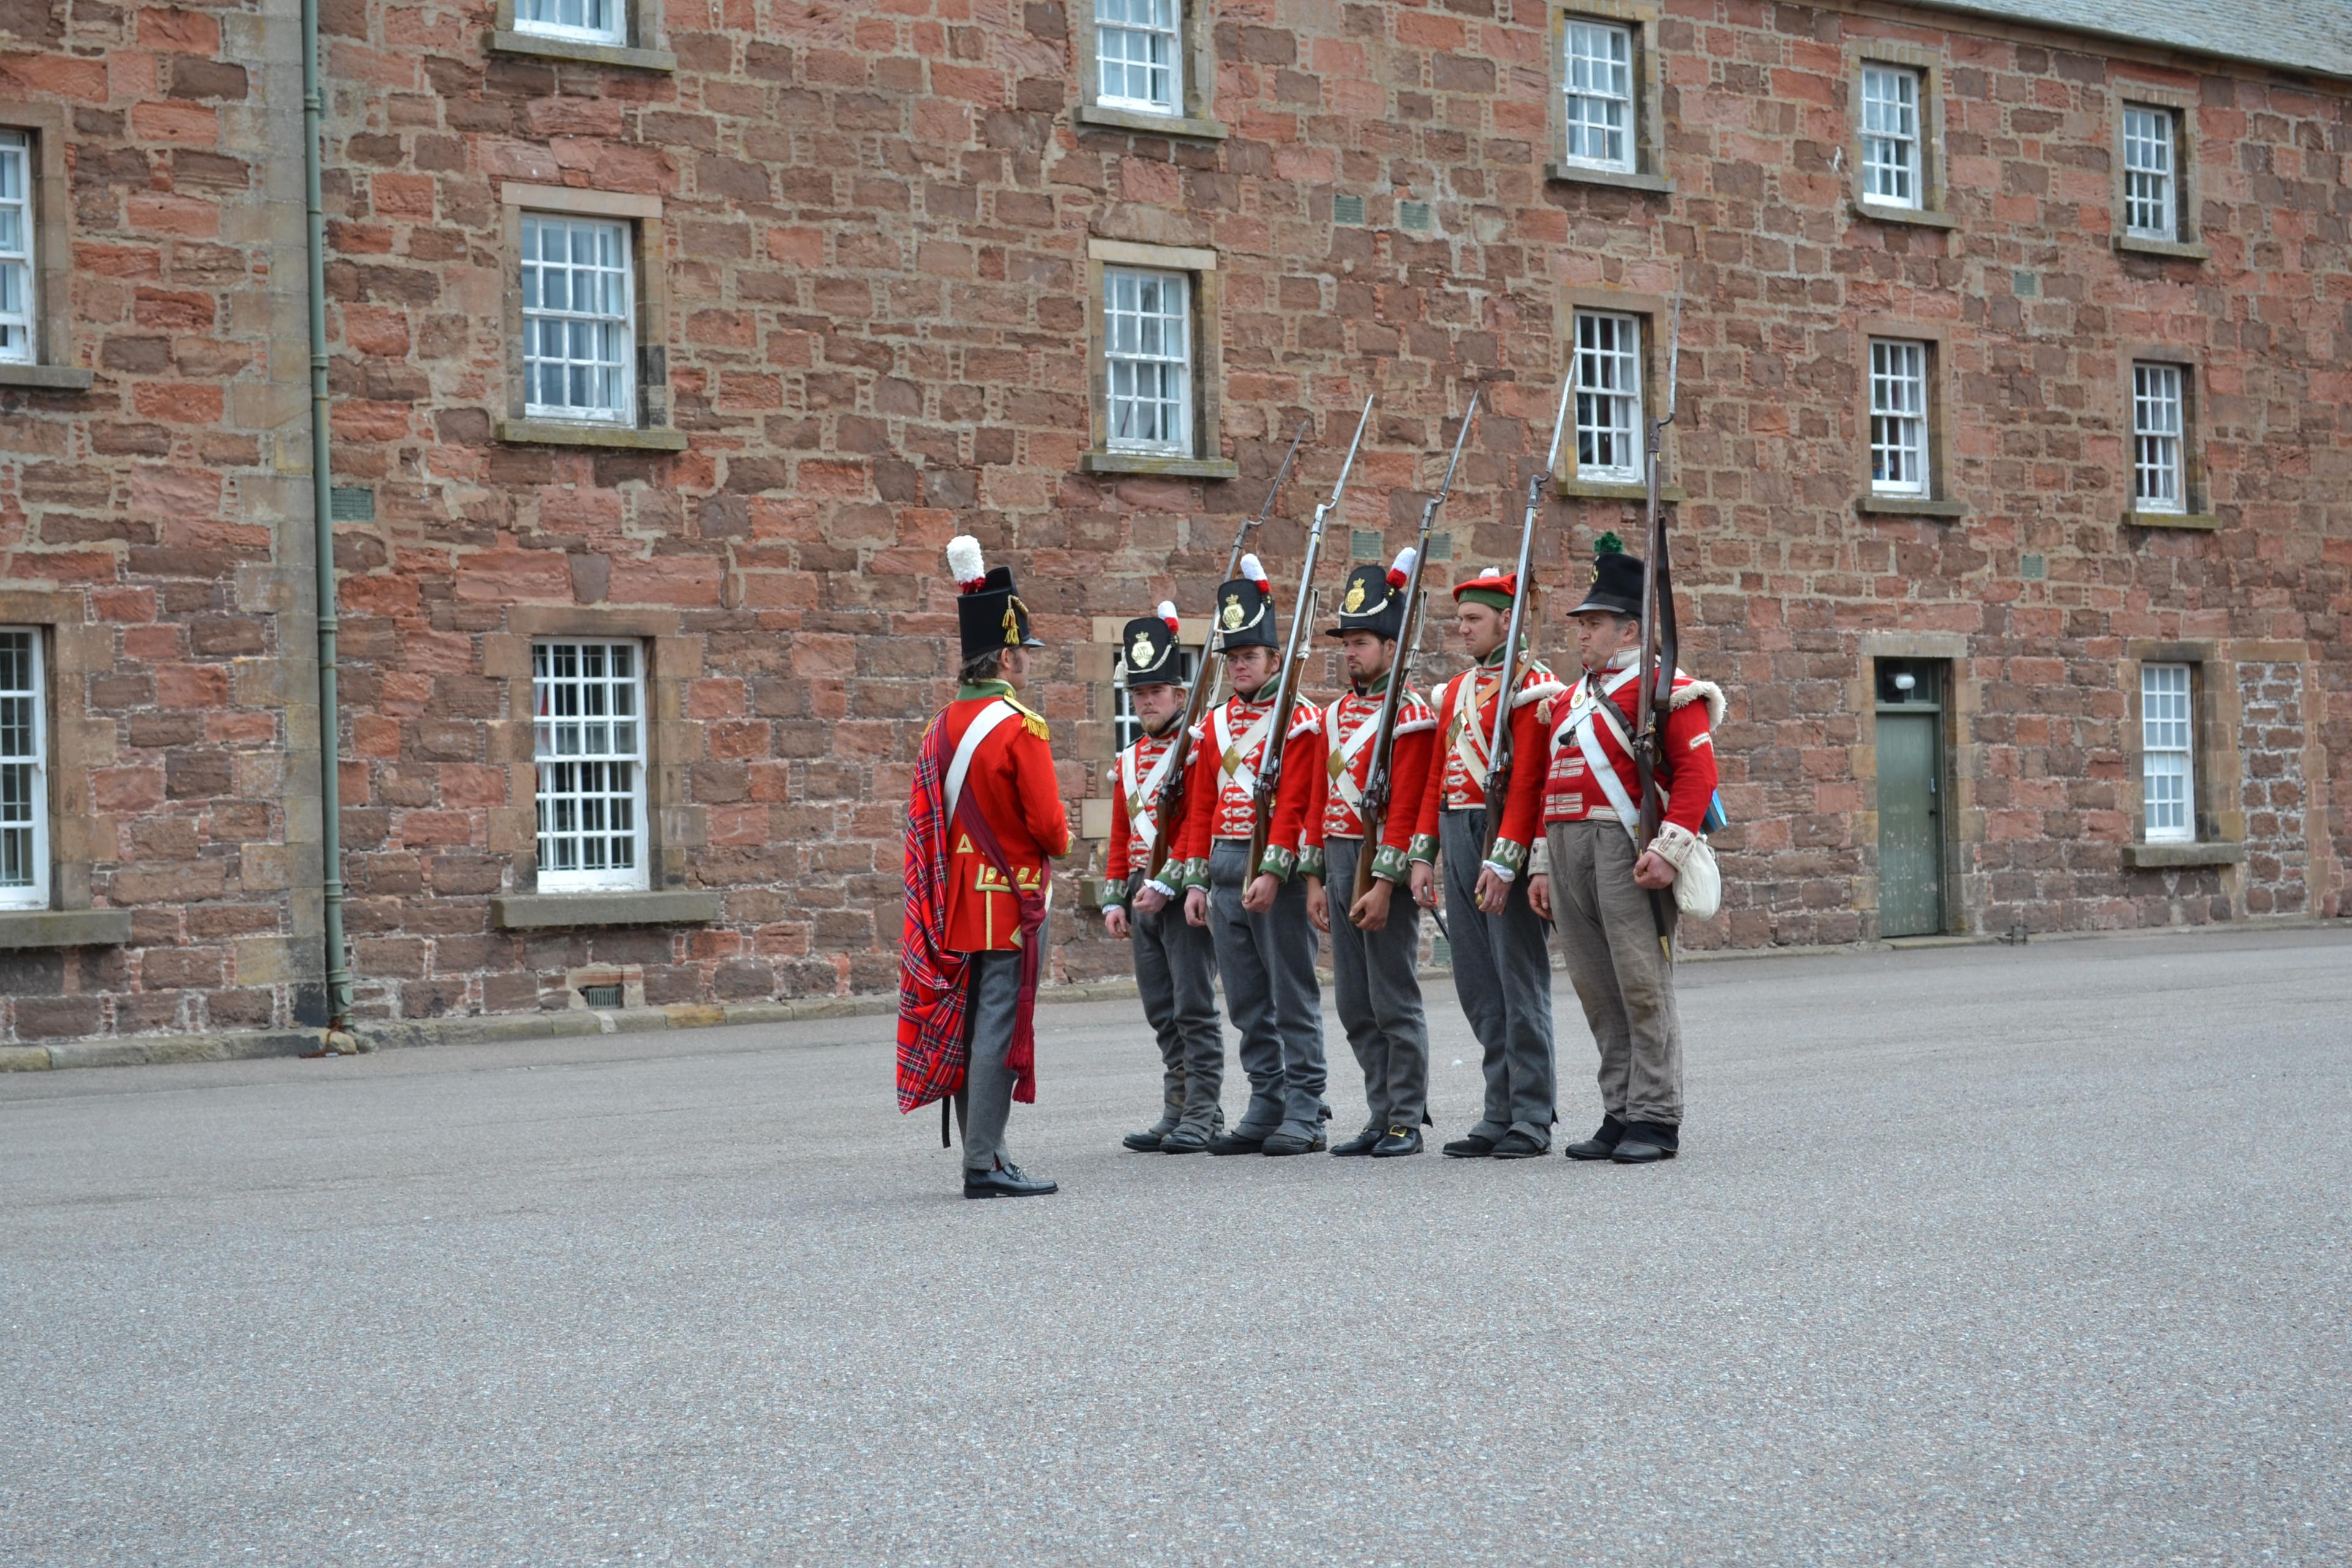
2272	740
156	524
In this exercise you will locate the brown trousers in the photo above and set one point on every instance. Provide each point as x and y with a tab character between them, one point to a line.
1624	979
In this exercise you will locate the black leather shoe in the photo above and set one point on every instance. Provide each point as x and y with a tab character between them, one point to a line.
1292	1144
1396	1142
1601	1144
1148	1141
1005	1182
1183	1140
1646	1142
1235	1143
1362	1144
1516	1147
1471	1148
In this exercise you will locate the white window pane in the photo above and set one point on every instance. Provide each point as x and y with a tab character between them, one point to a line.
2167	774
24	772
1138	53
579	320
1899	457
1148	360
2159	481
1890	136
2150	205
591	770
597	21
1608	369
1597	75
18	336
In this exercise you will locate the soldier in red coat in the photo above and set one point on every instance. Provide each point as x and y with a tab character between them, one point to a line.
1257	914
1375	940
1502	963
985	818
1595	878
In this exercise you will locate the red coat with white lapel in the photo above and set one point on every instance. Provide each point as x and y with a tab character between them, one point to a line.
1228	749
1566	791
1011	782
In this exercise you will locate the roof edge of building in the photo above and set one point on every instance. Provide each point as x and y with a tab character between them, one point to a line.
1987	11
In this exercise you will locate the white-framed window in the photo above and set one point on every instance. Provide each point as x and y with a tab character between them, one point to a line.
2168	766
1597	75
1608	397
2151	207
1898	417
1891	167
579	320
24	772
585	21
1126	729
1139	54
2157	413
1148	360
588	736
19	328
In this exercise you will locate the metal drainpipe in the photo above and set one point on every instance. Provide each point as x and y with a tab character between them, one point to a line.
330	816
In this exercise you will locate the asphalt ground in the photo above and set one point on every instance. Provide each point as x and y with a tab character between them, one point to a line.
1974	1255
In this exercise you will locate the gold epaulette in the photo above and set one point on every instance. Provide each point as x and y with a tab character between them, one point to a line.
1033	720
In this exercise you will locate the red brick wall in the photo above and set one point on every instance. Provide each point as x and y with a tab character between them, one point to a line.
147	521
877	221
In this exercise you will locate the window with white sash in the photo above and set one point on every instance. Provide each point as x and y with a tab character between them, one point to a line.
1139	54
1900	461
1893	164
579	320
1597	76
1126	729
2151	180
24	771
19	319
580	21
1608	360
2159	478
1148	360
588	701
2168	766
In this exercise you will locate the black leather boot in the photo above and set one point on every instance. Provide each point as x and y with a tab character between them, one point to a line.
1601	1144
1645	1142
1362	1144
1006	1181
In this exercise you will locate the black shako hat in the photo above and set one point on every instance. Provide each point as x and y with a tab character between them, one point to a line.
989	616
1147	654
1373	600
1616	579
1245	616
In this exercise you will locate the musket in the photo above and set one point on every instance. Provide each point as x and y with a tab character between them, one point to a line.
1374	809
1660	648
1498	746
1168	809
1294	652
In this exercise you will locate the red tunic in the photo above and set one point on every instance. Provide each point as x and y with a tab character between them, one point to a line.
1566	790
1347	768
1229	748
1011	781
1133	799
1465	734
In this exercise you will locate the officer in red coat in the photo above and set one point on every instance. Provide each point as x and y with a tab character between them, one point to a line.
1595	876
985	819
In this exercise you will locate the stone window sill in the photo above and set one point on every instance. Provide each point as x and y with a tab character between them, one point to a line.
508	42
1610	489
64	928
1096	117
2167	856
2172	248
557	433
554	912
1167	468
2200	521
1918	218
45	377
1909	506
1622	179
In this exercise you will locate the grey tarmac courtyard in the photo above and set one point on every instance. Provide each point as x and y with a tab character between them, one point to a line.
1975	1256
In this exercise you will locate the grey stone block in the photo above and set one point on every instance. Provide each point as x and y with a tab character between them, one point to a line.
529	911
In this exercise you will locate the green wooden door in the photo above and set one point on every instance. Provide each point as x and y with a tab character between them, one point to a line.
1910	826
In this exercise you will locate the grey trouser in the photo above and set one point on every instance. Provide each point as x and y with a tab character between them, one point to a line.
1176	971
1267	965
1622	977
987	1098
1380	995
1502	971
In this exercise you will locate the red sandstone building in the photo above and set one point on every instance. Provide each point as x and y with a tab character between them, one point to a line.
667	345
